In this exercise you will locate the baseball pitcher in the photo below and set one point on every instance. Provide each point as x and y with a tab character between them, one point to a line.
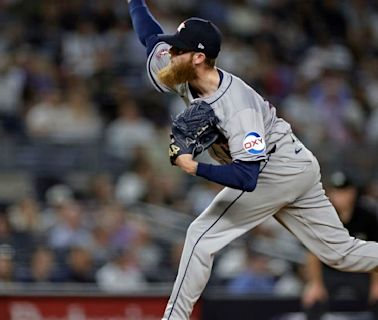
265	169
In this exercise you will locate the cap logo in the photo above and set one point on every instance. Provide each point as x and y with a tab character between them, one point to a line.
181	26
201	46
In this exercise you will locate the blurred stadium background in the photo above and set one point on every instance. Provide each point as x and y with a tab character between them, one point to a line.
89	204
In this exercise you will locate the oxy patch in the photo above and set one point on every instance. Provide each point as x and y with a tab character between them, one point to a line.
253	143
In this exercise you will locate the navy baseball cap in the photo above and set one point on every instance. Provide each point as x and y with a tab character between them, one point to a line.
198	35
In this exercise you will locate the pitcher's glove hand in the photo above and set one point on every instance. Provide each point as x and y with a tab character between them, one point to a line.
193	130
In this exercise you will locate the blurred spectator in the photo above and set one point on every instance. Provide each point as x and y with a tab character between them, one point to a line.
121	273
6	231
149	252
101	190
71	120
360	25
324	283
201	195
12	33
256	278
121	230
58	194
370	194
163	191
120	41
232	262
128	131
243	20
25	216
80	48
372	127
116	229
54	197
6	264
79	268
43	267
368	80
340	113
324	54
43	118
78	120
12	81
42	75
100	247
171	264
291	282
305	120
101	85
132	186
21	243
69	229
153	160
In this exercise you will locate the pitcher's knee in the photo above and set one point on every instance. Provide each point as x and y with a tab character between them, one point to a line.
194	234
194	231
353	255
198	238
346	262
339	264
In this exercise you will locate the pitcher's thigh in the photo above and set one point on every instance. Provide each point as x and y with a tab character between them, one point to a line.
231	214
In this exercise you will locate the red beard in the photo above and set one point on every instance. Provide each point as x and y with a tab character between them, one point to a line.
177	73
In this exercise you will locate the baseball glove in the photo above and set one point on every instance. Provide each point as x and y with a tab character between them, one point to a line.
193	130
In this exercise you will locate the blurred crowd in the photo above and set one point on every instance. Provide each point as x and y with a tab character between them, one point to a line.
84	136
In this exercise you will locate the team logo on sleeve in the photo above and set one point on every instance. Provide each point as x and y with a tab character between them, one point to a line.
253	143
161	53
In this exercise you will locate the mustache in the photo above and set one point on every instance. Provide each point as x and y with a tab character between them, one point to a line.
176	73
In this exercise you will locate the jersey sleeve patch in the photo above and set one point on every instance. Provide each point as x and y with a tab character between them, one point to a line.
161	53
253	143
157	60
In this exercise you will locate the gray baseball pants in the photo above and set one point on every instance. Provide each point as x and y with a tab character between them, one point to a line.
289	189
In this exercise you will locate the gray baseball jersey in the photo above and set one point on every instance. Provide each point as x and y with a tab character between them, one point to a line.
288	189
247	121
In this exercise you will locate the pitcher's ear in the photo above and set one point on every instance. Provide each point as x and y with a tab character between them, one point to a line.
198	57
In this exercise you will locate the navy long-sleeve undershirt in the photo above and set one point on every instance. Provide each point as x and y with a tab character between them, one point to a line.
145	25
240	175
